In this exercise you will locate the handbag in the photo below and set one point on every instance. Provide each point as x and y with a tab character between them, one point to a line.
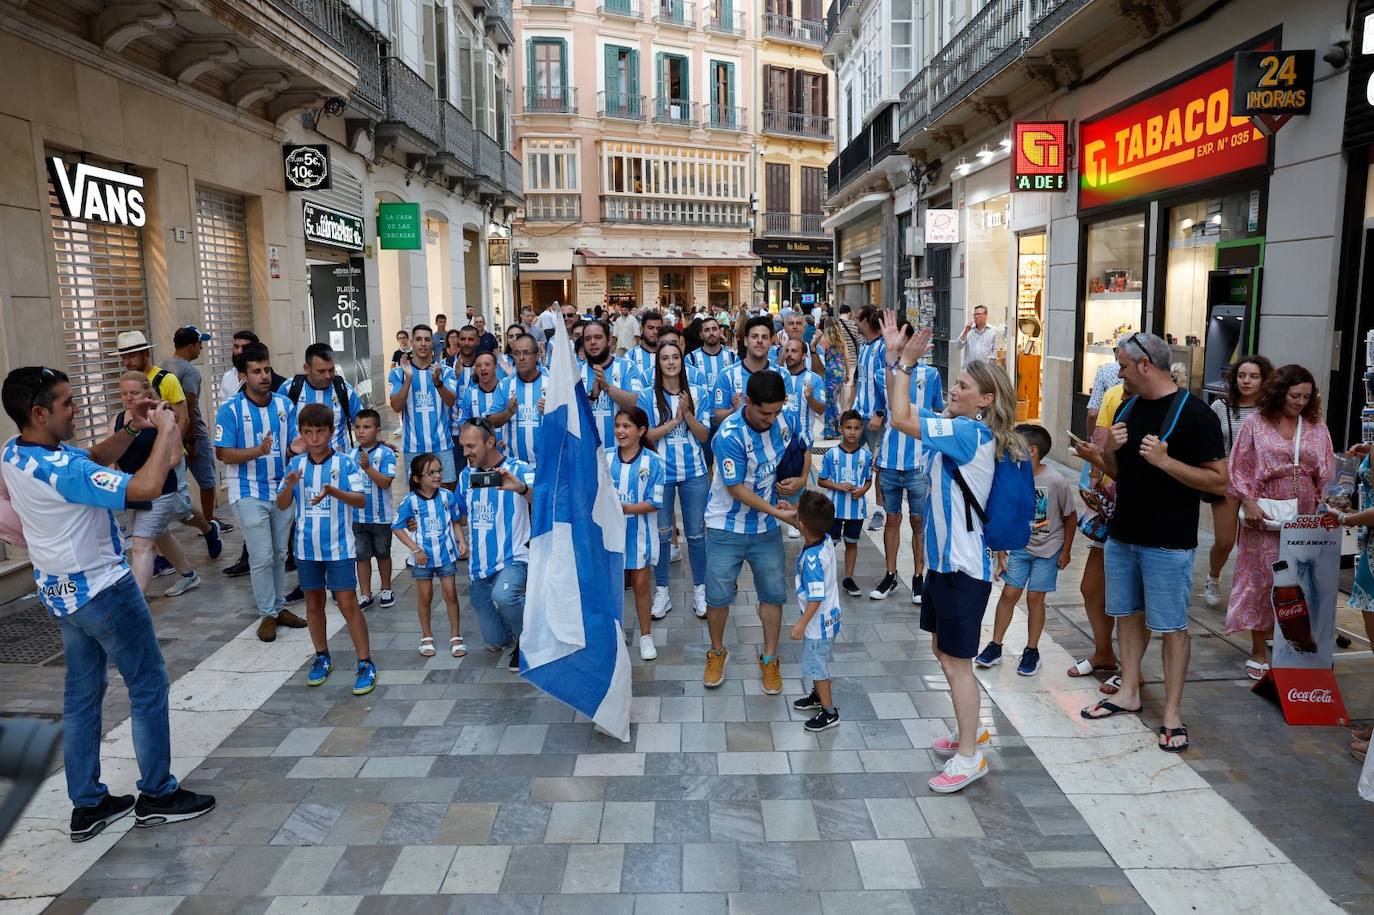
1277	511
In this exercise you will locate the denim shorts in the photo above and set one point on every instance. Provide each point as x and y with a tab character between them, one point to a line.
815	661
1031	573
851	529
1164	599
373	540
914	483
334	575
156	520
430	570
202	465
726	554
952	607
445	456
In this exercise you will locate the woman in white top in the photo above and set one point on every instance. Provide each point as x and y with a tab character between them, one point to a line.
1243	385
975	431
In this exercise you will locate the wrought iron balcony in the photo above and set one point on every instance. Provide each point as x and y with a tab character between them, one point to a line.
992	39
336	23
513	176
673	12
562	4
1044	16
410	100
677	111
792	124
551	100
491	157
658	211
544	207
619	105
913	110
807	32
497	16
726	22
455	133
727	117
627	8
793	225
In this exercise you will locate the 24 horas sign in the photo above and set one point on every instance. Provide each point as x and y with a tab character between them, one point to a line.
1173	135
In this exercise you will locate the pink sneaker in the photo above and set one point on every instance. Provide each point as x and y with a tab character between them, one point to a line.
959	773
950	744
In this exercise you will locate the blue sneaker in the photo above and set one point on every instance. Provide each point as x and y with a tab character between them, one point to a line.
366	680
990	656
319	670
213	544
1030	662
162	567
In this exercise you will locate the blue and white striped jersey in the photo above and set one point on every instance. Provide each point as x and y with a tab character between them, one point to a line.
621	373
475	402
680	450
643	360
732	380
744	455
967	444
868	390
498	521
327	397
240	423
799	412
899	451
434	520
378	508
856	467
67	503
425	422
639	480
523	430
711	366
324	532
815	580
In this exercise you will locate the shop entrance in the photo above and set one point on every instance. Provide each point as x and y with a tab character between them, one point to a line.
338	304
1030	325
546	292
989	267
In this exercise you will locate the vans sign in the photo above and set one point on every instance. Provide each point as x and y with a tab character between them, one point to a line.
93	194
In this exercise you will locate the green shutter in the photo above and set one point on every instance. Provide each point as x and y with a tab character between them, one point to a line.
613	88
632	66
727	14
730	116
686	80
660	65
562	64
530	91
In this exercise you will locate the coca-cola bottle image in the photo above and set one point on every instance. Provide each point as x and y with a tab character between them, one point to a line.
1290	607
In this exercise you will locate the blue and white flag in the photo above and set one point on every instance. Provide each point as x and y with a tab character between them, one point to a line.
571	645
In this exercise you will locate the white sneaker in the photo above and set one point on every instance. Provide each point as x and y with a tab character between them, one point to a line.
1211	592
647	651
674	553
876	520
792	533
699	601
183	584
386	598
663	604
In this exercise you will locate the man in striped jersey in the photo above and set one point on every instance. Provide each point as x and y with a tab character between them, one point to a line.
525	409
728	393
713	356
422	390
320	383
253	439
641	356
742	522
485	398
611	381
869	394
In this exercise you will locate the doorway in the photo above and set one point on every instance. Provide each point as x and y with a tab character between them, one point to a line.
1030	325
338	305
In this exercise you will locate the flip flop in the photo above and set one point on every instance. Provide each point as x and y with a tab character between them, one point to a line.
1084	668
1359	749
1110	686
1110	707
1169	734
1256	670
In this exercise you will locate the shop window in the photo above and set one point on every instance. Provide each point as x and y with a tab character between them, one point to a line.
989	259
718	286
622	282
1114	286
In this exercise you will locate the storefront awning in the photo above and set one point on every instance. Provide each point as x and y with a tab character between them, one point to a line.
664	256
857	208
539	273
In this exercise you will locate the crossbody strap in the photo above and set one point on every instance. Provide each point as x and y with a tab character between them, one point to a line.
971	505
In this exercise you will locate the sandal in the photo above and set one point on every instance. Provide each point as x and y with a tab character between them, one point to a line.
1110	686
427	648
456	647
1111	708
1169	734
1362	734
1359	749
1256	670
1083	667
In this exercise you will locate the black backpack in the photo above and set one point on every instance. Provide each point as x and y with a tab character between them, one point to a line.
340	394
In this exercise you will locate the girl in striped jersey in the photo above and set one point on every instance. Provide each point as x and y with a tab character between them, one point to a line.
438	544
638	476
679	419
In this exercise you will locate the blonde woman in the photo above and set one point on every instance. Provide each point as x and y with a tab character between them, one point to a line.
975	431
834	359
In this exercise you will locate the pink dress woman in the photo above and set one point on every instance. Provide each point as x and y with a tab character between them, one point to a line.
1262	468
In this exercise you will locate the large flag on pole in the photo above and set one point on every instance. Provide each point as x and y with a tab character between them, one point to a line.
572	644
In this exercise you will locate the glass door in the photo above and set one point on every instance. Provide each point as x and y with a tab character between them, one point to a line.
1030	327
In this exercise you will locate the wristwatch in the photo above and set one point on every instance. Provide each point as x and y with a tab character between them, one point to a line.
907	370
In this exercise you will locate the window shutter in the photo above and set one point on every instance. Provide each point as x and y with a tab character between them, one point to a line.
562	63
531	87
660	66
612	62
686	80
730	90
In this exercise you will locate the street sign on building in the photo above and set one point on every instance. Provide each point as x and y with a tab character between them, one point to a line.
398	226
306	166
525	256
334	228
1272	83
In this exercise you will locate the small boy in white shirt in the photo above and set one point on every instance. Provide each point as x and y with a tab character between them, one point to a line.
819	597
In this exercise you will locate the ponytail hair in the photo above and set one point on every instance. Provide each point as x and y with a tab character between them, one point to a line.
1000	416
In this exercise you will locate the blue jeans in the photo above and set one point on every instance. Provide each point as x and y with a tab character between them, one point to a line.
115	625
266	532
500	603
693	493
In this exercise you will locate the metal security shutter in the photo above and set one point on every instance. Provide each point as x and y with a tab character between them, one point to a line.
102	290
222	247
345	192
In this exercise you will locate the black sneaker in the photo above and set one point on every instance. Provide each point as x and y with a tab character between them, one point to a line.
296	596
89	822
917	586
851	587
823	720
885	587
237	569
513	665
807	703
225	527
173	808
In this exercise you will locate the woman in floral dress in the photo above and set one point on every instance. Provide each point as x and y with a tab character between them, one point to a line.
1262	468
830	347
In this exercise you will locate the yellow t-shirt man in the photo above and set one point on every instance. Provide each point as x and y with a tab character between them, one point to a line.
1111	402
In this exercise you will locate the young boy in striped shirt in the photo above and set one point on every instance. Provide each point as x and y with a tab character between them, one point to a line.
325	487
846	476
372	522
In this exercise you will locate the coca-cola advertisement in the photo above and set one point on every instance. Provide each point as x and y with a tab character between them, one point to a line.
1305	579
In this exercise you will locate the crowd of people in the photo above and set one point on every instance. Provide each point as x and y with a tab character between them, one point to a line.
708	425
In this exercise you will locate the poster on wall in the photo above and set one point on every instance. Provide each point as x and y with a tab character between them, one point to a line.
591	287
338	294
701	293
942	227
648	280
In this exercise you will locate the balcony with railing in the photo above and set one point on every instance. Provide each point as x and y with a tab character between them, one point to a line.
673	12
807	32
660	211
551	100
833	14
455	135
333	21
512	176
794	124
497	16
619	105
541	206
726	117
992	39
913	108
628	9
1044	16
410	100
726	22
793	225
557	4
679	112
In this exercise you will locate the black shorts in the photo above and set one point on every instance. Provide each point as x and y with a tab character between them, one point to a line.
850	529
373	541
952	608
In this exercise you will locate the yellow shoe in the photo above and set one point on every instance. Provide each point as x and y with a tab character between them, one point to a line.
715	668
772	676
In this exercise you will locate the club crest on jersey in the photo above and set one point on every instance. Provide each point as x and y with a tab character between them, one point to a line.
643	473
106	480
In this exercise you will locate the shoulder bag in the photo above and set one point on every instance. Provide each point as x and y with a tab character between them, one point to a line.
1277	511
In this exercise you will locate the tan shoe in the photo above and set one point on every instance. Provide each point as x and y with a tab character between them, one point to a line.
267	629
290	620
772	676
715	668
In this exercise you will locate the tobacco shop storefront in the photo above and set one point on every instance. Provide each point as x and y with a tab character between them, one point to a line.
795	271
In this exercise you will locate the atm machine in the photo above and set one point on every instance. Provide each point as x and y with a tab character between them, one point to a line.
1233	296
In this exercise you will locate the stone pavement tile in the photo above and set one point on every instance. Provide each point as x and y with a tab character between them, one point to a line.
362	870
419	869
360	824
870	902
827	866
897	818
567	738
326	767
943	863
405	905
535	869
478	904
680	708
789	821
681	821
219	905
652	869
248	872
467	824
789	736
628	822
304	871
752	763
417	790
845	736
522	739
975	901
681	904
478	739
1000	861
736	821
885	864
573	822
793	903
314	905
658	738
843	819
893	705
769	708
477	869
825	761
340	792
141	905
768	866
750	737
397	767
585	788
680	763
896	761
302	741
710	868
703	737
344	741
190	869
589	905
950	817
885	735
593	869
521	824
609	764
723	708
428	711
413	824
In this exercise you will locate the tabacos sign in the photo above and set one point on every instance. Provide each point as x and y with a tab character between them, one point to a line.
92	194
1173	135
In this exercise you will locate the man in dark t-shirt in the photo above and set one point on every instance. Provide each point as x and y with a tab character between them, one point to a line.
1164	450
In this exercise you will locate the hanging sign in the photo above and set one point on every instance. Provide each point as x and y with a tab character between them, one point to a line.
1041	156
498	252
398	226
92	194
324	226
942	227
306	166
1272	86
